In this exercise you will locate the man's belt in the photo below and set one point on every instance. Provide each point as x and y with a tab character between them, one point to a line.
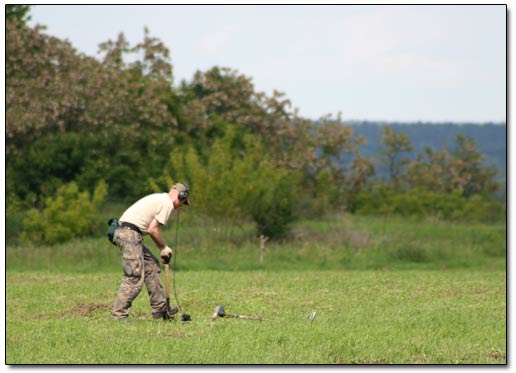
130	226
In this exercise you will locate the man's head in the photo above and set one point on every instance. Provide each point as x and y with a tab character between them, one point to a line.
182	193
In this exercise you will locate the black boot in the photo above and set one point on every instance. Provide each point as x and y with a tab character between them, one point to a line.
166	315
172	311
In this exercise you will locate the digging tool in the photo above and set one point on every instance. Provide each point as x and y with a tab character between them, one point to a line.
219	312
166	316
184	316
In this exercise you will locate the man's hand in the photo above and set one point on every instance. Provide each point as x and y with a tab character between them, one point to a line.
166	255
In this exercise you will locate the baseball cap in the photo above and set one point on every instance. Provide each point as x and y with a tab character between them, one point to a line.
183	187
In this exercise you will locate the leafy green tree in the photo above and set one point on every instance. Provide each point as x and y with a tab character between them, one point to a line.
236	180
275	205
18	11
51	161
395	145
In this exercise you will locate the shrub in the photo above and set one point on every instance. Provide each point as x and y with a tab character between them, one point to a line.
418	203
235	180
69	214
275	206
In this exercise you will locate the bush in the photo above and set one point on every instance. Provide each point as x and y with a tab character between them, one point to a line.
275	208
417	203
69	214
234	180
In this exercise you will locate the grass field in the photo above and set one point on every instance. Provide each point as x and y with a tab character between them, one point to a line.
385	292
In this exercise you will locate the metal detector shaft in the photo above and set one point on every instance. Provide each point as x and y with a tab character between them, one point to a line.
244	317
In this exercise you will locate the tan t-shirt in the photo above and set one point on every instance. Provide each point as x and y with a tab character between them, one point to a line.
154	206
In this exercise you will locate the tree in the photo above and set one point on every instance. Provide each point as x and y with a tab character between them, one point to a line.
223	94
395	144
472	176
460	170
337	149
361	170
121	112
45	80
20	12
236	180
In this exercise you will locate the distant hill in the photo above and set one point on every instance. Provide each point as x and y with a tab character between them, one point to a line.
491	138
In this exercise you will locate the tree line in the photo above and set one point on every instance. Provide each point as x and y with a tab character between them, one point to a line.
489	137
90	128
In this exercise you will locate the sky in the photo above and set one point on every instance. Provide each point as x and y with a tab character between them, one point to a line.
405	63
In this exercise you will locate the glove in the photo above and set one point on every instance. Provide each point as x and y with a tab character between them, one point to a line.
166	254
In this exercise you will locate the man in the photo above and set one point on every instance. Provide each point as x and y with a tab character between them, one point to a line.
146	216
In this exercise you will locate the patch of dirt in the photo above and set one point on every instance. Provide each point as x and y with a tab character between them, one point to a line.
497	355
88	309
83	310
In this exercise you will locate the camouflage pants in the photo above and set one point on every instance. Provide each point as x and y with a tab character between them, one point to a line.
139	266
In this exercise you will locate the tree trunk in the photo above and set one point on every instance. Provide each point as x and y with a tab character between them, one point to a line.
263	239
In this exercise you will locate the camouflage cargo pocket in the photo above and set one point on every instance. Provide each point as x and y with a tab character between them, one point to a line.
132	264
132	258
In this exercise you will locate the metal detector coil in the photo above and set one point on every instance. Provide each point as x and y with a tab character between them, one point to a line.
219	312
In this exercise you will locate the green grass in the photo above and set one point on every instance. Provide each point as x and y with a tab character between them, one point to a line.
385	291
401	317
340	243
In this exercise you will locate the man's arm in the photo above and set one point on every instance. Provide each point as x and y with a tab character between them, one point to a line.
155	233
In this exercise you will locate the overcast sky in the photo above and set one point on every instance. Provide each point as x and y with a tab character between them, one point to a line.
393	63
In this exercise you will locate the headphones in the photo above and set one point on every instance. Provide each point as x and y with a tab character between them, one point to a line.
183	195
